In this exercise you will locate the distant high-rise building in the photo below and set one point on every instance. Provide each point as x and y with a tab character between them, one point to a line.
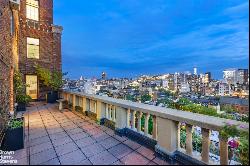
242	76
104	75
195	71
207	78
234	76
230	76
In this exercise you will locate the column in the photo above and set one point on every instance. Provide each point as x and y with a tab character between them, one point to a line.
223	151
189	143
133	119
154	127
128	118
121	120
205	145
139	121
166	136
146	124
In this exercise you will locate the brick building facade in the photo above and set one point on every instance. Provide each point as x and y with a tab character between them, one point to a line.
27	37
49	37
5	61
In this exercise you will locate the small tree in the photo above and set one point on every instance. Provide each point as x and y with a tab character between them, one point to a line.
50	79
19	88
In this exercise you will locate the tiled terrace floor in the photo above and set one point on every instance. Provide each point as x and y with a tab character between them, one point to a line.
60	138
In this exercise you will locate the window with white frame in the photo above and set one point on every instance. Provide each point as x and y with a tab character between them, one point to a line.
32	9
32	48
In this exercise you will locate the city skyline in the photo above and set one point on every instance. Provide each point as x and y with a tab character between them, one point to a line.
128	39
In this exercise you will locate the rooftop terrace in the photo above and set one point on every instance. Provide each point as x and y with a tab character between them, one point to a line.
63	137
71	134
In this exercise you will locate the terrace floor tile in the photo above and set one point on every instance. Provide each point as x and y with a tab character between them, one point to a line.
42	157
134	159
120	151
104	158
109	142
72	158
93	150
82	143
66	148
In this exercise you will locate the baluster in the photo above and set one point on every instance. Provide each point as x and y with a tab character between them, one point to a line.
110	107
95	107
189	143
178	135
107	111
113	113
139	121
133	119
223	151
128	118
205	145
73	102
155	127
146	124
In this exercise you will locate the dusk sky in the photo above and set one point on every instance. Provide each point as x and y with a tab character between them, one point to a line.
127	38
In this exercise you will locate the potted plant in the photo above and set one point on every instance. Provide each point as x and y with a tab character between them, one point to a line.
78	108
19	88
53	80
22	100
14	137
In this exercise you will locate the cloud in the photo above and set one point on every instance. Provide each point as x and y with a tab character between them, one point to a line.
138	37
243	7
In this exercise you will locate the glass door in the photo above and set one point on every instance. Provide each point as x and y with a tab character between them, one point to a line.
31	89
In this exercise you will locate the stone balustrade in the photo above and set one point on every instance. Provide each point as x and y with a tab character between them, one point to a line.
166	123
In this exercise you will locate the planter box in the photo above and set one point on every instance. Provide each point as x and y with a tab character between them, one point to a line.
70	106
66	104
92	115
108	123
13	140
78	109
21	107
52	96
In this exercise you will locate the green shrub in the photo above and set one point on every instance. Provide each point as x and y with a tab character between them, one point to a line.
50	79
23	98
65	104
78	109
19	88
15	123
70	106
91	115
110	124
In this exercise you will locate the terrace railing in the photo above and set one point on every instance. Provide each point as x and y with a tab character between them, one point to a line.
166	124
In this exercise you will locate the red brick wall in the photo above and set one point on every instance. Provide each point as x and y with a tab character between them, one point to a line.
6	102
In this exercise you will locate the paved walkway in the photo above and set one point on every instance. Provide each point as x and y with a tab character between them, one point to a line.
60	138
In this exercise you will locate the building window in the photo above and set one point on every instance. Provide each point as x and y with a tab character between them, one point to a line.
12	24
32	48
32	9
